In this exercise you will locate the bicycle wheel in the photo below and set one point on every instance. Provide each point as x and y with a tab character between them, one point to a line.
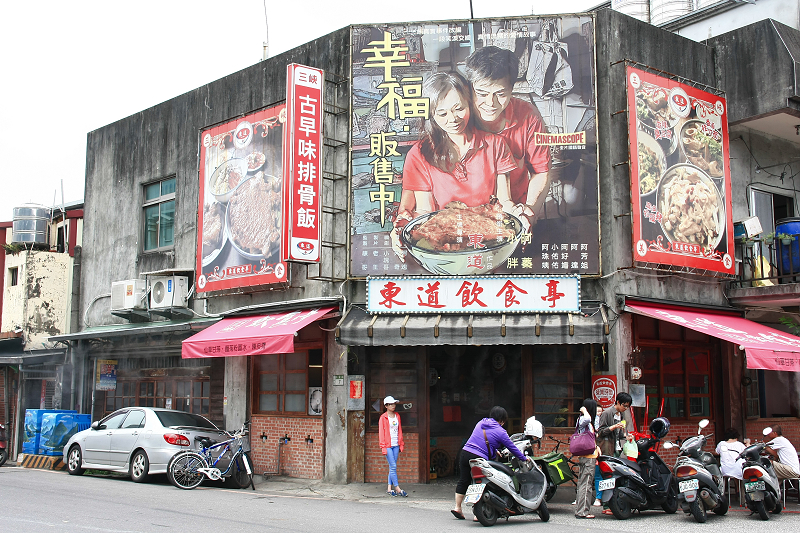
239	478
183	470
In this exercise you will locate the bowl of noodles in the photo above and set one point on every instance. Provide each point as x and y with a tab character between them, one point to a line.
460	240
652	163
701	149
692	207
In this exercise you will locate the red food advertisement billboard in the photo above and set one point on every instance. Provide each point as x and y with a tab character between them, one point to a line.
302	207
239	214
604	390
680	174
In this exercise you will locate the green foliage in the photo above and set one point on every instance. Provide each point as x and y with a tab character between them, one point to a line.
13	248
794	327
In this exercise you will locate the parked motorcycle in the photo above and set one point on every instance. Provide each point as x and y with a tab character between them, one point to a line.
701	486
509	488
762	490
646	483
3	450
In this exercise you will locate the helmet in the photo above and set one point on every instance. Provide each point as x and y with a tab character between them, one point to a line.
533	428
659	427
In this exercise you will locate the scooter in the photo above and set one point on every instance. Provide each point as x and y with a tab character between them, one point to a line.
646	483
3	450
762	490
509	488
701	486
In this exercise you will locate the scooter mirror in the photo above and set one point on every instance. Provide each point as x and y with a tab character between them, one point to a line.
668	445
767	431
703	423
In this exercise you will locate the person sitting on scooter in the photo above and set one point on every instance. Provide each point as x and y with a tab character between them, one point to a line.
487	437
786	463
728	464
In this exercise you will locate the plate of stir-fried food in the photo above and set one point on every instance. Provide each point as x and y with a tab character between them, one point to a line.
701	149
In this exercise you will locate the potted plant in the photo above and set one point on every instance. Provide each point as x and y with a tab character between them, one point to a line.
785	238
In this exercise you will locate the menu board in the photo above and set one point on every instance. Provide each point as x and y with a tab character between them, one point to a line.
680	174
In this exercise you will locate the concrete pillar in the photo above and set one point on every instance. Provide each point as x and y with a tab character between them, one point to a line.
335	414
234	405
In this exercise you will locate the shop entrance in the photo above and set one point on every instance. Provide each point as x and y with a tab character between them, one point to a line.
464	383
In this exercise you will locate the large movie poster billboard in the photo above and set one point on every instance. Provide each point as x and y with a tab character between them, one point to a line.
474	148
239	219
680	174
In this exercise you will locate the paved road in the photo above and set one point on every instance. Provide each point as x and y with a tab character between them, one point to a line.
38	500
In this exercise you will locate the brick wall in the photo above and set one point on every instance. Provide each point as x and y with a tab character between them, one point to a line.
298	458
789	426
376	468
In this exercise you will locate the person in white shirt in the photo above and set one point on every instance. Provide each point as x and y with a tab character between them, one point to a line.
787	465
729	465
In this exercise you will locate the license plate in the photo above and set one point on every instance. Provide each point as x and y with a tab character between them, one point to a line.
752	486
606	484
474	493
691	484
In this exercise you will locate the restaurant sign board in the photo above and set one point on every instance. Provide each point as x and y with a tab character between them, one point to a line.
484	294
523	199
241	183
680	174
302	206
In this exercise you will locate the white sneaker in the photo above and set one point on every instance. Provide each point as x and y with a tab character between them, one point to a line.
597	503
575	502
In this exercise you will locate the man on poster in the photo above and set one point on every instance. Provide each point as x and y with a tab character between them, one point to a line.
492	72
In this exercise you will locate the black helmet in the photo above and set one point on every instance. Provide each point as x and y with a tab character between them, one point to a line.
659	427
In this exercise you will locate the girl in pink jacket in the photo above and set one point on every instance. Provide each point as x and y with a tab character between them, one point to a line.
390	439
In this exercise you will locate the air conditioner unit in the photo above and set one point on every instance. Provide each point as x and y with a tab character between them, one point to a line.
128	294
168	291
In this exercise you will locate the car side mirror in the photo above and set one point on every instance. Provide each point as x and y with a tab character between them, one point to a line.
95	425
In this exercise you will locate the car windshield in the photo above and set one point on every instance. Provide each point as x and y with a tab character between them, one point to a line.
179	418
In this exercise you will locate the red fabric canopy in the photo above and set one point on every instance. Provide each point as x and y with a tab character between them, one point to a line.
766	347
252	335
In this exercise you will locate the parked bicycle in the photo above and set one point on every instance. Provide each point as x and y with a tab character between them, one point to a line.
214	460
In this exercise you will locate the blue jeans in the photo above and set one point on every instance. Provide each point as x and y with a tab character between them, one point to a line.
391	457
597	493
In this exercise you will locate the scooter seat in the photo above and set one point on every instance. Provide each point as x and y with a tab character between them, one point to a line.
503	468
631	464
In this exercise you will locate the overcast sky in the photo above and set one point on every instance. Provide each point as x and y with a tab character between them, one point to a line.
72	67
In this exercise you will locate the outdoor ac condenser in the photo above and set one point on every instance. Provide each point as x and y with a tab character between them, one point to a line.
168	291
128	294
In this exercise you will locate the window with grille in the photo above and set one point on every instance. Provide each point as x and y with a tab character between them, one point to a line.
179	394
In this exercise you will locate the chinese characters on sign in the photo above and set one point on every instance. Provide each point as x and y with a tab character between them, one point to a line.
302	209
400	224
680	175
496	294
106	378
241	169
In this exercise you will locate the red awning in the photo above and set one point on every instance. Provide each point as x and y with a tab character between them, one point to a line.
766	347
252	335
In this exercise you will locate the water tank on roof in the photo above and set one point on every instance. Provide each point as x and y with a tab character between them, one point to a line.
29	224
638	9
662	11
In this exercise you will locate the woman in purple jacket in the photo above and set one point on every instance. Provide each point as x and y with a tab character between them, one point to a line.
487	437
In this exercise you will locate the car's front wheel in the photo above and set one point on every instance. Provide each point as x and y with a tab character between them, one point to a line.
140	466
74	461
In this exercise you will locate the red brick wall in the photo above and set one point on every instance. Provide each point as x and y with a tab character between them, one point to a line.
789	426
298	458
376	468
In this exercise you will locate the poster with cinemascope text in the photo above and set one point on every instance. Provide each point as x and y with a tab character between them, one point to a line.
241	190
680	174
474	148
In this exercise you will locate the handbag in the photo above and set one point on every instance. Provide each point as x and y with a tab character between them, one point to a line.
582	443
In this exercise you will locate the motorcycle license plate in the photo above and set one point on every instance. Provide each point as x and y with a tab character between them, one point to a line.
691	484
606	484
474	493
752	486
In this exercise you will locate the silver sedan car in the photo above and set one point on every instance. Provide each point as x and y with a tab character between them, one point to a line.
136	440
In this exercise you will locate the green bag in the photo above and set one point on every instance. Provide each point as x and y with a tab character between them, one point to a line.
557	467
